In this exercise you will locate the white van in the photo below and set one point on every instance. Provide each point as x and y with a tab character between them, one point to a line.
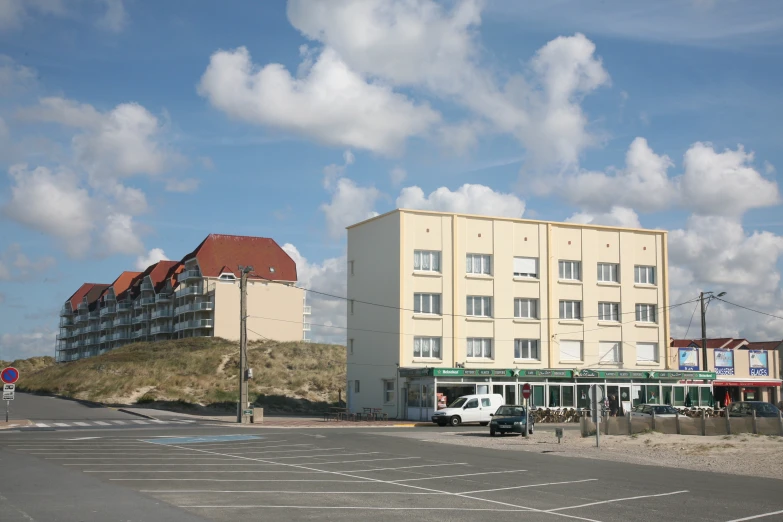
469	408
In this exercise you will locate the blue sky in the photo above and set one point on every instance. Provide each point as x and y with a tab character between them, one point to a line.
130	130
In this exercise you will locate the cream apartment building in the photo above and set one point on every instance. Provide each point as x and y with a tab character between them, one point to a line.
443	304
197	296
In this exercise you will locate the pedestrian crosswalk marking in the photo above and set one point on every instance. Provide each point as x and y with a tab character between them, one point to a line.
93	424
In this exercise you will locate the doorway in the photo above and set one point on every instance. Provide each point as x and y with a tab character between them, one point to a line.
623	395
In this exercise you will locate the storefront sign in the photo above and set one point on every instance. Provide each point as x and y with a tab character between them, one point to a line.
724	362
689	359
485	373
758	363
544	373
447	372
619	374
747	383
414	372
706	376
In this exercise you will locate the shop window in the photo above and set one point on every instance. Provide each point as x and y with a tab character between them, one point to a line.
554	397
388	391
568	396
706	396
583	396
538	395
666	392
679	396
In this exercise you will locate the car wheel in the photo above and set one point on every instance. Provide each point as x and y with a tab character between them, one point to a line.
492	433
483	424
455	421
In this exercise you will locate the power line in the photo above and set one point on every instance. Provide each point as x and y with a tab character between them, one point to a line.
749	309
691	321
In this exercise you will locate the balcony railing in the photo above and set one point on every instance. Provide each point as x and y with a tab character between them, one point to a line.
195	307
146	287
120	321
168	312
116	336
160	298
137	303
108	310
66	310
66	321
82	306
80	331
103	338
139	333
124	306
188	274
93	328
197	323
307	310
81	318
189	290
145	301
160	329
94	314
141	318
306	327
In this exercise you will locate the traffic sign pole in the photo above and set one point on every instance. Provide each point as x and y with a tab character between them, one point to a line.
526	396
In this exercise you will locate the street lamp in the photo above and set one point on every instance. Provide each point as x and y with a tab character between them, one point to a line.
704	325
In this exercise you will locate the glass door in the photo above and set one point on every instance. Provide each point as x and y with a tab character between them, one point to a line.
511	394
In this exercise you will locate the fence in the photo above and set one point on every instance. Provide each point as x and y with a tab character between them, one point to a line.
684	425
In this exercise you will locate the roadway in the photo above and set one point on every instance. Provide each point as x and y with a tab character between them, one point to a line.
209	472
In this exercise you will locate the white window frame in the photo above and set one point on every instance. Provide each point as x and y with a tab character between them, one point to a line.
608	273
615	349
426	260
581	350
646	313
525	308
427	347
480	264
655	353
478	306
388	394
480	345
569	270
644	275
422	302
527	349
571	310
526	273
608	311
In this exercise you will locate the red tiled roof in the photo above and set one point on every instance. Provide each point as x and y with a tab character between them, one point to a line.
78	295
123	282
94	293
764	345
263	254
722	342
159	272
171	275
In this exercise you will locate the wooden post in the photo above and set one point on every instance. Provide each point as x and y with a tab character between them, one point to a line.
677	422
703	423
754	423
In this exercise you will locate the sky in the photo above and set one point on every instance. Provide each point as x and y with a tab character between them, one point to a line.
129	130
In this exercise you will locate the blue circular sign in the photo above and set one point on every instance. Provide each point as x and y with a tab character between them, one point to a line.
9	375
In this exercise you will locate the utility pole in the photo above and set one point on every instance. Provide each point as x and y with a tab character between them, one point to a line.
704	367
243	392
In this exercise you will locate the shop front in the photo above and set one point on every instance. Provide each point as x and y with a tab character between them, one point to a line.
429	389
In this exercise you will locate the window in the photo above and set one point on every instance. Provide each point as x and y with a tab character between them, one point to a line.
388	391
569	270
525	267
607	272
472	403
426	303
526	349
350	345
571	310
609	311
570	351
478	264
647	352
645	313
426	260
644	275
485	403
526	308
426	347
608	352
356	386
480	348
479	306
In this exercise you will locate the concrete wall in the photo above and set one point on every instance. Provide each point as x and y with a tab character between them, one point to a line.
274	310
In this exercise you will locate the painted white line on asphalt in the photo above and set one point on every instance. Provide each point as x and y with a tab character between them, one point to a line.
287	492
615	500
81	424
288	451
41	425
80	438
140	422
404	467
60	424
157	421
455	476
327	455
186	471
234	480
137	458
101	423
754	517
346	461
118	422
221	463
367	508
526	486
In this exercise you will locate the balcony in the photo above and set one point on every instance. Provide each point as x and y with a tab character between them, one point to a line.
206	306
94	314
117	336
63	336
103	338
77	344
306	327
81	318
141	318
120	321
124	306
80	331
162	298
307	310
82	307
66	310
93	328
189	274
166	329
146	287
66	321
139	333
108	310
189	290
137	304
197	323
168	312
146	301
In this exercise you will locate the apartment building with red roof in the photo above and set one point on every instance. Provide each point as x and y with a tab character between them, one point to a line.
197	296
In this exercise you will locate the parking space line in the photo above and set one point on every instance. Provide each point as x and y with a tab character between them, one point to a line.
526	486
118	422
60	424
616	500
185	471
327	455
256	492
139	422
137	458
368	508
348	461
101	423
41	425
406	467
455	476
80	423
754	517
235	480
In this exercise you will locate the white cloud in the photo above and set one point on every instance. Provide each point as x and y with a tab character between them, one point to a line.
53	203
350	204
186	185
150	258
616	217
724	183
14	12
334	171
468	199
27	344
329	102
115	18
15	265
14	77
131	200
119	235
328	277
769	168
397	175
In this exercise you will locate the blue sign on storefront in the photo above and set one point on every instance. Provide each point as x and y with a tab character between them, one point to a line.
758	363
724	362
689	359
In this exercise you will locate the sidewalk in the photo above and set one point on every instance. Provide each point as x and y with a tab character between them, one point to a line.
14	424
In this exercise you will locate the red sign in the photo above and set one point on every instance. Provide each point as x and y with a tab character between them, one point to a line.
526	391
9	375
746	383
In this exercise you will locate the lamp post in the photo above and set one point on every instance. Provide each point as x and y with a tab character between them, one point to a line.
709	296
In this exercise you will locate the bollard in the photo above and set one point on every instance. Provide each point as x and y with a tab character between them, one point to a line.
605	420
653	419
677	422
630	423
728	421
780	423
703	423
754	424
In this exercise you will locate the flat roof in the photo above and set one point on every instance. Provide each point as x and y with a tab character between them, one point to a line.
515	220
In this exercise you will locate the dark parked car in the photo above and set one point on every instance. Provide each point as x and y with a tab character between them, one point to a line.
510	419
746	409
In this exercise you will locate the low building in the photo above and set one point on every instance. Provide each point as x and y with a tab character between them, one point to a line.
745	371
442	304
197	296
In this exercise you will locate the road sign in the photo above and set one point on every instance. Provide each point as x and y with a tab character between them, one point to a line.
9	375
8	395
9	387
526	391
599	391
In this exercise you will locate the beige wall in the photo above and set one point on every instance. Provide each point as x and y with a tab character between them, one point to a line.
274	310
742	365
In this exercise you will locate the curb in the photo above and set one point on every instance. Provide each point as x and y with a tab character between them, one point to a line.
137	414
15	425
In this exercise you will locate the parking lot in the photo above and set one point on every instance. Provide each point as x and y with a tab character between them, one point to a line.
222	474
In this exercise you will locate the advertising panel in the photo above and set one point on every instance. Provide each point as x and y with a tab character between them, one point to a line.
724	362
689	359
758	363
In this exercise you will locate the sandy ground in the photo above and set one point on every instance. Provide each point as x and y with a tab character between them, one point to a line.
754	455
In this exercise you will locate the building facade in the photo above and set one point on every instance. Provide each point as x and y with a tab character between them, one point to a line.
442	304
196	297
